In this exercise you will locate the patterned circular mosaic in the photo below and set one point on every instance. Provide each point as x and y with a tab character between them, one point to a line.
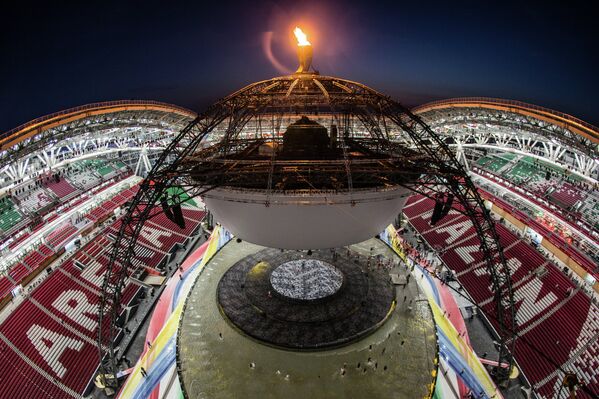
306	279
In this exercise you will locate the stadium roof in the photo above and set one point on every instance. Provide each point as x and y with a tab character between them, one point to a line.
35	130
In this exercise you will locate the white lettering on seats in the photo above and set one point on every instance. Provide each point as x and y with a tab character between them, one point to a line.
51	345
513	264
94	273
74	304
455	230
465	253
152	235
528	294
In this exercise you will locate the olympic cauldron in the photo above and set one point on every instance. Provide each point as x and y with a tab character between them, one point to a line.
306	162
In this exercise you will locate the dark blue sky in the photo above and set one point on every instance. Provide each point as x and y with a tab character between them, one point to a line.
190	54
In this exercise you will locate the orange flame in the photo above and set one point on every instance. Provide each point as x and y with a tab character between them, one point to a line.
302	39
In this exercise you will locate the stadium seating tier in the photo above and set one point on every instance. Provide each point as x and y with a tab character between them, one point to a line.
554	315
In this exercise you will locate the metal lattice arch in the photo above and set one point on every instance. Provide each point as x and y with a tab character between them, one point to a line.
88	131
209	155
513	126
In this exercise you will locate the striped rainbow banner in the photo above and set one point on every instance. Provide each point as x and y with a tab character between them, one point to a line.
158	360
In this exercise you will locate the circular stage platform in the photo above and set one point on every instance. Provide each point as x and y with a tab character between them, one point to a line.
289	299
387	351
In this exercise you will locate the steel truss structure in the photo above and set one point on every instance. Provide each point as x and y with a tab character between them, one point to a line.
212	151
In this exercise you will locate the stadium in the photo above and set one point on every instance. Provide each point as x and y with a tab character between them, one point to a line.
304	235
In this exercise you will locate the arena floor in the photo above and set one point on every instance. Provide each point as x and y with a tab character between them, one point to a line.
219	361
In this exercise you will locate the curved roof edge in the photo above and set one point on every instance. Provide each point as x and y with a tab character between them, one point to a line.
341	83
569	122
19	133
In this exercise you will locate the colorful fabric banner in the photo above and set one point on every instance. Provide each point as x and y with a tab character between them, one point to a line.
155	374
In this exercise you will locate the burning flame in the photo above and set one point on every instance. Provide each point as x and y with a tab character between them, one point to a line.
302	39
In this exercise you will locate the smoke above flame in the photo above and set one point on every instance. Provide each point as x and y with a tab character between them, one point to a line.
302	39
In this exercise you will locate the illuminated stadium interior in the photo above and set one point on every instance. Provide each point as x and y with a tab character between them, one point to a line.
61	201
313	255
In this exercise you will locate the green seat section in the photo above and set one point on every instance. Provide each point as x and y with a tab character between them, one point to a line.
9	216
105	170
185	198
524	171
495	163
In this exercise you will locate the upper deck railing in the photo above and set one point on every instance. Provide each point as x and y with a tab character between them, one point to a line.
590	129
94	106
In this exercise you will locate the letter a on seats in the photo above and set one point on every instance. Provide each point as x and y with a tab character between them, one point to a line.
51	346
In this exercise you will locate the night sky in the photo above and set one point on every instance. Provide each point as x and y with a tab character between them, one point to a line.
190	54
